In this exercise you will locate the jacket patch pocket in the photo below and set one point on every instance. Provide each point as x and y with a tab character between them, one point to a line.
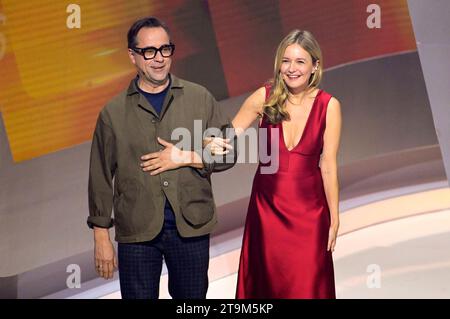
197	202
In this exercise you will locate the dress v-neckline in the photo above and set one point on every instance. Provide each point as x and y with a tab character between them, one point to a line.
304	129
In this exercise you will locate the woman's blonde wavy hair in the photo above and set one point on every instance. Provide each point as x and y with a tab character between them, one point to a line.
275	106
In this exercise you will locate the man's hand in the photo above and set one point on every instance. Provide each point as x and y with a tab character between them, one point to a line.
105	258
171	157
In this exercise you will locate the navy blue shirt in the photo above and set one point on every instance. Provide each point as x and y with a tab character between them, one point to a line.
157	100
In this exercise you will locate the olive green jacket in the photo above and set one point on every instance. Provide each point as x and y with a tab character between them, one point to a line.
127	128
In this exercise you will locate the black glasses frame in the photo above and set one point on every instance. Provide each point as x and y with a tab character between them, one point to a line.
141	51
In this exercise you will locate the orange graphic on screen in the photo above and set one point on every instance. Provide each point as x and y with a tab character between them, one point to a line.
54	80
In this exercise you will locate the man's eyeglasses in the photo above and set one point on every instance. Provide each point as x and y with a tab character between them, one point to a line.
149	53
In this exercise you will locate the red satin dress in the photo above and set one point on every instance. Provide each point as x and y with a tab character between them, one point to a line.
284	249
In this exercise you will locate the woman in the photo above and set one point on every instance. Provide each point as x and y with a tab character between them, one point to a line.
292	221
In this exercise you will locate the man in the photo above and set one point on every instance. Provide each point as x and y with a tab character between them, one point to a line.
162	197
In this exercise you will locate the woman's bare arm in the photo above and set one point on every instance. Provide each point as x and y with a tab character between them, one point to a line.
250	110
328	166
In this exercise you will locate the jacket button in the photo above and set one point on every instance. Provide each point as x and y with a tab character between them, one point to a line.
154	121
166	183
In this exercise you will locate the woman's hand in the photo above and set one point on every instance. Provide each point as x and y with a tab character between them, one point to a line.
217	145
332	235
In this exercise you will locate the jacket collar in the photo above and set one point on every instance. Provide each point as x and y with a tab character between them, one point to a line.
175	89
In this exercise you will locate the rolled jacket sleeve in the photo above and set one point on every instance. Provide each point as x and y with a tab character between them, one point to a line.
101	172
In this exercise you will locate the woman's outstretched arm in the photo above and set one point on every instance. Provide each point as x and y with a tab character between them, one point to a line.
250	110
